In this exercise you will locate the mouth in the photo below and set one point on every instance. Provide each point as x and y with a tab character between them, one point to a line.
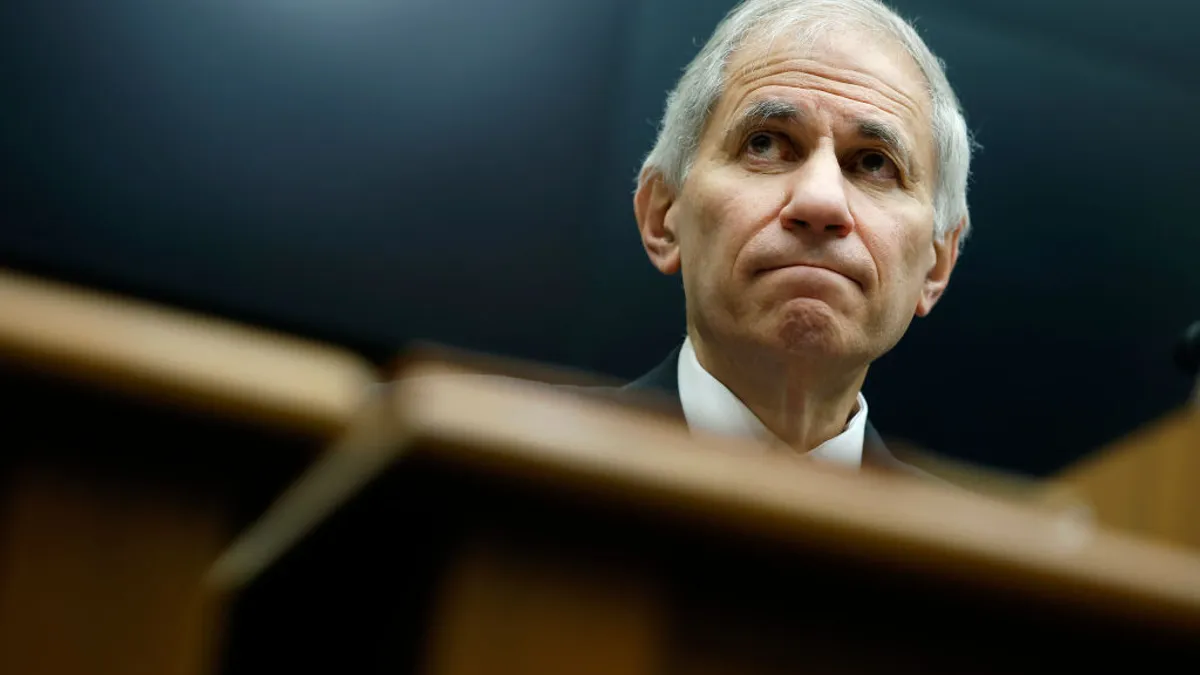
810	266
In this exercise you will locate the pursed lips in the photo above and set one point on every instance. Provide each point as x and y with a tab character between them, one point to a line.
814	266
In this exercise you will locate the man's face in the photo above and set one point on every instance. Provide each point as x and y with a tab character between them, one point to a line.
806	221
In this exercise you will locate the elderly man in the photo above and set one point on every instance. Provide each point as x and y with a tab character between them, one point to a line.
809	184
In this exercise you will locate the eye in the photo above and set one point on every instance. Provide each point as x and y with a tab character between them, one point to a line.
876	165
760	143
766	145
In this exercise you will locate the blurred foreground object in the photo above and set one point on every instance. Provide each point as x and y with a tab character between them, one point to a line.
1187	357
1187	351
1149	482
137	440
186	495
471	525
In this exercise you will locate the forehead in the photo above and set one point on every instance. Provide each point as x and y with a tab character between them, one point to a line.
861	71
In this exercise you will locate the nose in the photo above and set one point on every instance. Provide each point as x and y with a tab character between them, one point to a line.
817	202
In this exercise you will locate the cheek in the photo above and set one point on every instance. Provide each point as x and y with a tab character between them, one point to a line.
716	230
903	253
912	257
692	233
742	216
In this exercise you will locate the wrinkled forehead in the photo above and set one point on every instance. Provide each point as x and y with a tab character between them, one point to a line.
857	62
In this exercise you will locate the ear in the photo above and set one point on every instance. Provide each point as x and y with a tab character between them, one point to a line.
945	255
651	203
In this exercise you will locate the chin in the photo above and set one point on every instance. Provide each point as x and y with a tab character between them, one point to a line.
809	326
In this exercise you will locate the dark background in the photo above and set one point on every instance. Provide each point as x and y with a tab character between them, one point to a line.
370	172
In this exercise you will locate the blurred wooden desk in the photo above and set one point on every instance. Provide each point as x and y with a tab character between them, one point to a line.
478	525
136	440
1147	483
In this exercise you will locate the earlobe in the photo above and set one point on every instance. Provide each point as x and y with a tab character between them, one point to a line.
652	204
945	256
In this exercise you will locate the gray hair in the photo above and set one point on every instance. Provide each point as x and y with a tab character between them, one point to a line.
692	101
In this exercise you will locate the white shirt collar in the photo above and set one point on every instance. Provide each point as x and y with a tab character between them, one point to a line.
709	406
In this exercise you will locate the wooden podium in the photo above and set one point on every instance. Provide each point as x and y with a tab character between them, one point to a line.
480	525
1147	483
137	441
185	495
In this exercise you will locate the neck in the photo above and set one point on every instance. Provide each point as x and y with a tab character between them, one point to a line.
801	404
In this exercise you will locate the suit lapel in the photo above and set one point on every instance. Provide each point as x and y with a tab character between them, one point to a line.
663	378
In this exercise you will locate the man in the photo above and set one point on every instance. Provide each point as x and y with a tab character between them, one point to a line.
809	184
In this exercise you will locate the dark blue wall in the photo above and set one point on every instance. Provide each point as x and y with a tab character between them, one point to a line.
368	172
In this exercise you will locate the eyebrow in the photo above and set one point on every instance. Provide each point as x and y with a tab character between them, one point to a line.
761	112
887	135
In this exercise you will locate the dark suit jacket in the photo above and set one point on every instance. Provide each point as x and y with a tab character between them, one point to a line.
664	379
